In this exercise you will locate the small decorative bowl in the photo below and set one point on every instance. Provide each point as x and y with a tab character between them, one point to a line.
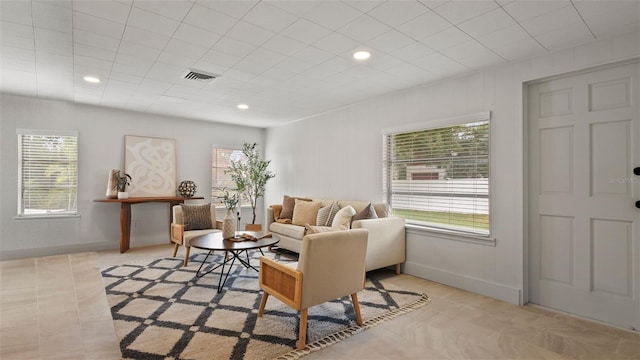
187	188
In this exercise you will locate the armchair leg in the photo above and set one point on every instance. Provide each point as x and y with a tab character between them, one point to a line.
263	302
397	269
186	256
356	308
175	250
302	337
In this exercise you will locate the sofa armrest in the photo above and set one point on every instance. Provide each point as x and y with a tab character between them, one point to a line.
387	241
270	217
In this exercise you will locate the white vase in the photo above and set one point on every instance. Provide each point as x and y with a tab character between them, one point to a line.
123	195
229	225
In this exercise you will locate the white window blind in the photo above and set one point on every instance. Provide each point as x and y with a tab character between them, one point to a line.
47	173
439	178
220	180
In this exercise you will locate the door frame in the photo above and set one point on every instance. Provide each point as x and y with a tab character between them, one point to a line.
525	158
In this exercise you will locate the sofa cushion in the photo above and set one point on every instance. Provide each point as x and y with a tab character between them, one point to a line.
305	212
343	217
188	236
196	217
288	204
320	229
367	213
326	214
293	231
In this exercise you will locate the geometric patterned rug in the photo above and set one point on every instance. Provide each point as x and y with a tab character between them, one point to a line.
162	311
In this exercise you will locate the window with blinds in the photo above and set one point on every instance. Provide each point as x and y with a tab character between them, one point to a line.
47	173
439	177
220	180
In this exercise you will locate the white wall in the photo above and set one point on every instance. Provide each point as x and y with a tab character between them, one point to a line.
338	155
101	148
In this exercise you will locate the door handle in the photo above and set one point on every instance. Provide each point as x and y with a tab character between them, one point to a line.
636	170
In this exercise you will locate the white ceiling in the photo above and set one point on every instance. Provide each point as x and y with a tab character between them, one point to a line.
286	59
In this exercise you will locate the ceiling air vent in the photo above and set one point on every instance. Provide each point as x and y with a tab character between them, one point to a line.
199	75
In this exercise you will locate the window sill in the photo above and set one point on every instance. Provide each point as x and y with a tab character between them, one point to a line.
451	235
47	217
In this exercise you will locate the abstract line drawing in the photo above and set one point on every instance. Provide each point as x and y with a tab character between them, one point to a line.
151	162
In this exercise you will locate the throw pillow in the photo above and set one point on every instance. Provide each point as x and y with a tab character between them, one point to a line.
332	214
305	212
196	217
277	209
343	217
288	204
321	229
323	215
369	212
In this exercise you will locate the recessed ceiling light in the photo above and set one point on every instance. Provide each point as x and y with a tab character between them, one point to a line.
243	106
361	55
91	79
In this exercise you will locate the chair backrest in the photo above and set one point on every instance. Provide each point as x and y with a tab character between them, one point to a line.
178	216
332	265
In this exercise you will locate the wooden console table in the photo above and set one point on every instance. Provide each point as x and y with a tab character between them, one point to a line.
125	213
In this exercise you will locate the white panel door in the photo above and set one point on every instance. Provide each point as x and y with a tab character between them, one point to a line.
584	227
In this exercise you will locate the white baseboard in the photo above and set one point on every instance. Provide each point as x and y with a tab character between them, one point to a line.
465	282
56	250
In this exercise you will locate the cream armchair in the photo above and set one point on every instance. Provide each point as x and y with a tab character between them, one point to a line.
182	237
331	265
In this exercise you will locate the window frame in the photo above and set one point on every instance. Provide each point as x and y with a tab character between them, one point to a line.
440	231
22	212
216	200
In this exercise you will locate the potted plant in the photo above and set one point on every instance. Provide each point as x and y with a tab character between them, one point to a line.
250	175
228	223
122	183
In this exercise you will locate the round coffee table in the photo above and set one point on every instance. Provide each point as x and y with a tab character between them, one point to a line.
215	242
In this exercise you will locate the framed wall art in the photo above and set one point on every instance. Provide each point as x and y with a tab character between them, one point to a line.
151	162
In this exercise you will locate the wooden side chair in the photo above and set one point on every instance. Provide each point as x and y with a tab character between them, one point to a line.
331	265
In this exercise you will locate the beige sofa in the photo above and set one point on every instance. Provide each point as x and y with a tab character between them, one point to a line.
386	245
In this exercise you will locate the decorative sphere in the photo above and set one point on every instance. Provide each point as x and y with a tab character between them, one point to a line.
187	188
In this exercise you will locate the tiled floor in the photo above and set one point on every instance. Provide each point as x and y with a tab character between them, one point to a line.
55	308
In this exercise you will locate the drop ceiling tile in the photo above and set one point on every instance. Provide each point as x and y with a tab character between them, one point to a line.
269	17
165	72
283	45
137	50
332	14
383	62
53	42
299	8
249	33
126	78
524	10
234	8
19	82
234	47
460	11
525	48
11	30
238	75
510	34
208	67
446	39
97	25
91	63
167	8
424	26
135	68
394	13
413	51
186	49
313	55
8	52
208	19
264	56
16	12
171	58
110	10
481	59
330	67
251	67
144	37
51	17
305	31
220	59
551	21
364	29
18	41
487	23
616	20
439	64
146	20
336	43
151	86
464	50
196	35
294	65
390	41
364	6
568	35
276	74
